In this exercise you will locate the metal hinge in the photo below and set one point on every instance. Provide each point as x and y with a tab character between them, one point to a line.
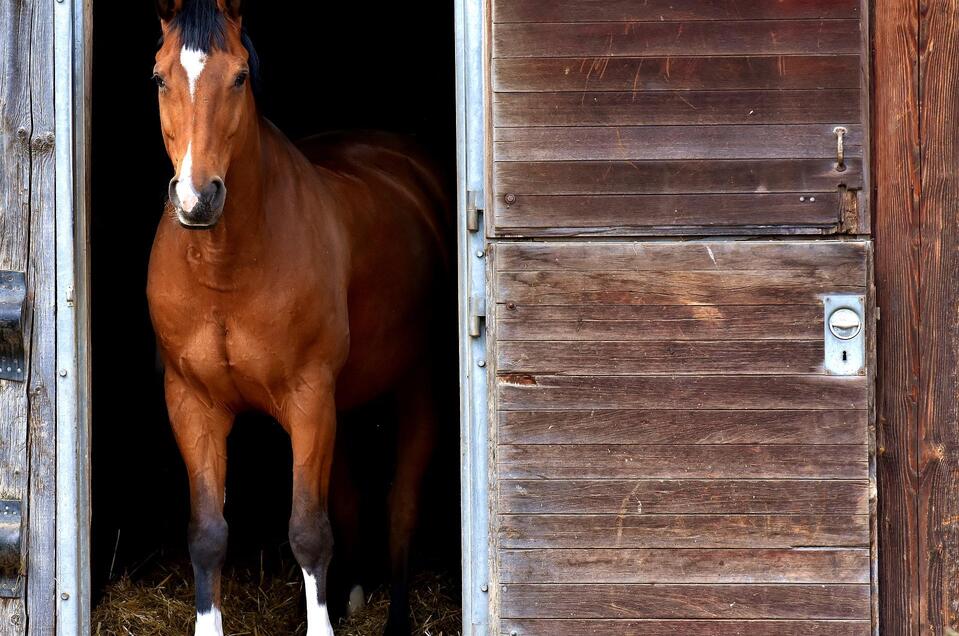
11	530
13	297
477	314
473	210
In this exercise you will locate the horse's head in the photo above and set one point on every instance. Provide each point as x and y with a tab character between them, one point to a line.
207	108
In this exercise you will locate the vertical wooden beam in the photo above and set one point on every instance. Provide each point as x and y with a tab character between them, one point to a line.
939	320
896	176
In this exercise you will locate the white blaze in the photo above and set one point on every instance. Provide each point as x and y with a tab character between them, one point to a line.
193	62
317	618
185	191
209	623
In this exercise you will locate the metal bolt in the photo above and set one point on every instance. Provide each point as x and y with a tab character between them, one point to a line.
485	587
513	633
812	199
480	253
63	373
511	305
481	363
802	199
510	199
65	596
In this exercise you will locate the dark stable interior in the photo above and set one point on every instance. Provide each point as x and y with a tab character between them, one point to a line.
325	66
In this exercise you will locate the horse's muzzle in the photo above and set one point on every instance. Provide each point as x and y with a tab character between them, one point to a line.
207	206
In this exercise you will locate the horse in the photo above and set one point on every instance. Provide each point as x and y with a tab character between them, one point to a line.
293	281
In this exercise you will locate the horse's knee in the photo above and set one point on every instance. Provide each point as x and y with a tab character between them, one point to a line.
311	538
208	541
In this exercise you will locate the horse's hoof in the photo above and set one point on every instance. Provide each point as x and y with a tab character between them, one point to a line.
356	602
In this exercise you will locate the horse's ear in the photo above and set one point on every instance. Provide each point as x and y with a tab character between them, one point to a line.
231	8
166	9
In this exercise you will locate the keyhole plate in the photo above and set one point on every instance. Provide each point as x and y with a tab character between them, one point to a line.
844	334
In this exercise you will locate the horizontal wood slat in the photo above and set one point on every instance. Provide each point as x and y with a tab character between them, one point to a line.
713	38
682	426
676	73
669	10
839	565
842	259
672	143
762	357
686	601
702	176
524	392
670	287
676	461
657	627
682	531
675	108
684	496
640	323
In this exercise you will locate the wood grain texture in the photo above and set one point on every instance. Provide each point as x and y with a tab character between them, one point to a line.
763	357
671	10
843	259
676	73
798	176
896	156
623	143
659	627
626	323
938	338
684	496
842	602
827	565
677	461
685	108
682	426
27	462
707	38
682	531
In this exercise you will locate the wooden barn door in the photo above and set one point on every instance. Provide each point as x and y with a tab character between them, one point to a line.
681	320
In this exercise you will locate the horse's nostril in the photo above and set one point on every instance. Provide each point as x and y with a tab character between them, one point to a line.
213	193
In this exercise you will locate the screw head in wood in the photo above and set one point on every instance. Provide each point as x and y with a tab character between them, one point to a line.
510	199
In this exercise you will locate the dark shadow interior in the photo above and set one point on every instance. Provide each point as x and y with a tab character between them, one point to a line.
325	66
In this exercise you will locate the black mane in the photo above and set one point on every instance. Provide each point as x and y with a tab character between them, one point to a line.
202	27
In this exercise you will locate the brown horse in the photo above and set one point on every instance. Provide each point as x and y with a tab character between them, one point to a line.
288	283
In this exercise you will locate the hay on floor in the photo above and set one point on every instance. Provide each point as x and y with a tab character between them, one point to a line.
161	604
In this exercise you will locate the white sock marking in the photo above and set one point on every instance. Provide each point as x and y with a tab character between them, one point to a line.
193	62
185	191
209	623
317	618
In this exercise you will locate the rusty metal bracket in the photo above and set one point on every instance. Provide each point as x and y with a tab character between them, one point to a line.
11	530
840	133
13	296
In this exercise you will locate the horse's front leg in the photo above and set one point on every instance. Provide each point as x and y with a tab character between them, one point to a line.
201	429
311	421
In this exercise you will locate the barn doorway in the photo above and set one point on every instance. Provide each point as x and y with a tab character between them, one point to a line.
324	67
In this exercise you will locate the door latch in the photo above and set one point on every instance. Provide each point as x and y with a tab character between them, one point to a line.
845	334
11	530
13	297
840	132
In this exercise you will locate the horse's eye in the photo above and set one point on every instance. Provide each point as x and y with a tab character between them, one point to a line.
159	80
240	79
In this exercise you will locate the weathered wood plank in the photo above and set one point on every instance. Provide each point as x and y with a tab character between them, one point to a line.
683	108
938	337
896	156
846	258
676	73
526	392
682	427
676	461
761	357
652	214
659	627
642	143
659	322
671	287
798	176
839	565
706	37
684	496
656	10
682	531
